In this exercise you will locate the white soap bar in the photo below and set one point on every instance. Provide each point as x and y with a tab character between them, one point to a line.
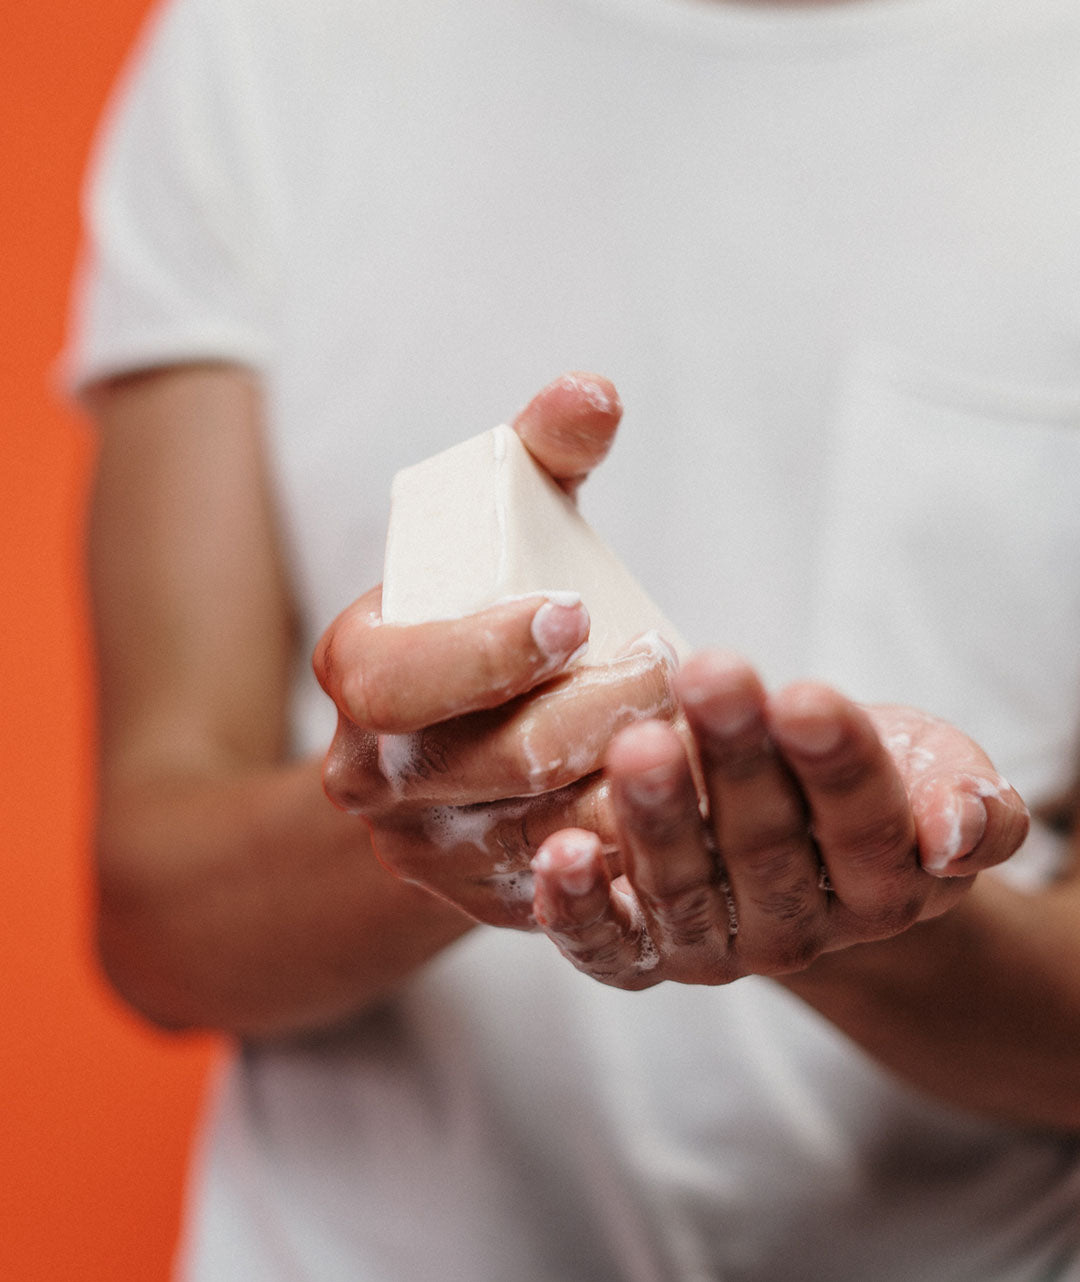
482	521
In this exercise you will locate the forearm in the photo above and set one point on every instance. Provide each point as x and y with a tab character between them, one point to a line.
979	1007
248	904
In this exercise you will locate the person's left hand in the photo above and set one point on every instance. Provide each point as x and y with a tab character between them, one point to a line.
828	824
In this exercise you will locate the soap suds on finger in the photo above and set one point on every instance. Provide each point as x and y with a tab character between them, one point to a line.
965	818
399	757
593	393
514	887
560	631
576	871
654	645
451	826
648	955
916	759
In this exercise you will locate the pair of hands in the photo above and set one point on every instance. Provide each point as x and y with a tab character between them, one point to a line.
657	824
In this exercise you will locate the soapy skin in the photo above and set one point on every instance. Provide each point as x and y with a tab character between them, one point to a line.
460	805
444	727
231	896
528	795
825	825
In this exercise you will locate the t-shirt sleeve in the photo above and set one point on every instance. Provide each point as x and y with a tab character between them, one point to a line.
177	263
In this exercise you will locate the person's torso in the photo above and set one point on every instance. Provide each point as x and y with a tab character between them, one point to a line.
834	273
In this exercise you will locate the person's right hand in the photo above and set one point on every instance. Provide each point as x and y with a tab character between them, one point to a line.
465	743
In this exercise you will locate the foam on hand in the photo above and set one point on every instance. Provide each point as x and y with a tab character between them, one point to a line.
483	521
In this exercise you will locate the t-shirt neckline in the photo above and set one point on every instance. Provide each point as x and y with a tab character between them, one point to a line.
836	25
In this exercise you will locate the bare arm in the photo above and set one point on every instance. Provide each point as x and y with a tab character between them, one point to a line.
980	1007
232	895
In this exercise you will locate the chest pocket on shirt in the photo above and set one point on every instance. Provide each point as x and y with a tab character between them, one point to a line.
950	567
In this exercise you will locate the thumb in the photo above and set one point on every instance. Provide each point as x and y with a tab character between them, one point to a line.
569	426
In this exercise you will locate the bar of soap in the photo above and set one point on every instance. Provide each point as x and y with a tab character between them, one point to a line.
482	521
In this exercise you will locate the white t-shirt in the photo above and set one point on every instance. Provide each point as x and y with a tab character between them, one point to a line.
829	254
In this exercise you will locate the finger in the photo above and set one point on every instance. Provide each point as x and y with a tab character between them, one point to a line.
967	823
675	876
568	427
478	857
758	816
394	679
967	817
538	743
598	928
859	809
560	733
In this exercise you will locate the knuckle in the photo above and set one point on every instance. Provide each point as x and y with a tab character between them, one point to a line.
772	857
790	904
686	916
349	779
842	771
881	842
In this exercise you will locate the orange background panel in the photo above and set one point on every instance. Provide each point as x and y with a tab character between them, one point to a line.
96	1111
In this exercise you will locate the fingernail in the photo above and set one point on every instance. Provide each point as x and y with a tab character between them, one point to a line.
594	395
574	866
965	822
560	628
652	787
